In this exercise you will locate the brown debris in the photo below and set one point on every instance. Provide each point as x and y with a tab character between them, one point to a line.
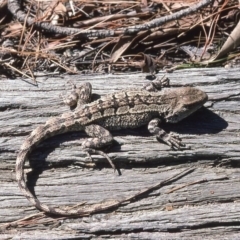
85	36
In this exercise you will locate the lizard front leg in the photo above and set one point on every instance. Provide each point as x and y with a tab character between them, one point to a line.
101	137
174	141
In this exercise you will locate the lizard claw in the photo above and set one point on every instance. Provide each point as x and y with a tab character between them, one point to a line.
174	141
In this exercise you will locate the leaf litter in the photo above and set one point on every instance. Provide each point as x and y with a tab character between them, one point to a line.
54	37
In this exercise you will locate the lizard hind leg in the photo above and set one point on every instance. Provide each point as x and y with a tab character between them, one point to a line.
101	137
157	84
79	95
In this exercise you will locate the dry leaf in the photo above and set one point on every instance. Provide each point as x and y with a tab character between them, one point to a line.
121	46
148	64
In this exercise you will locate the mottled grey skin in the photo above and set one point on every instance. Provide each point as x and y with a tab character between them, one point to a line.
129	108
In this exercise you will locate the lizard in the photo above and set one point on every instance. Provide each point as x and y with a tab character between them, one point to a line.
129	108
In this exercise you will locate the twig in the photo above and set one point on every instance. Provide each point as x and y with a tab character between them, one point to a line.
116	203
15	69
15	9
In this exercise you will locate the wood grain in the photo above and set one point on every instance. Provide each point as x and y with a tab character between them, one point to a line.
210	206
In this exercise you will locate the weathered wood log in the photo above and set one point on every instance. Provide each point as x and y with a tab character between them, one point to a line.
205	201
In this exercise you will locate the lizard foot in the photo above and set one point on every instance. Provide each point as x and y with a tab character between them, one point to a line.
156	84
174	141
90	151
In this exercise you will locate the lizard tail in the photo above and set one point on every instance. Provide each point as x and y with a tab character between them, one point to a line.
54	126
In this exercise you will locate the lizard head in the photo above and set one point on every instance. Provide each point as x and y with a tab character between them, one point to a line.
184	102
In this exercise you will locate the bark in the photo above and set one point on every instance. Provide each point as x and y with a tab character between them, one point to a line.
203	202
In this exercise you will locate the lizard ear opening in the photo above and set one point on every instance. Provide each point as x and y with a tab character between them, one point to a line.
179	112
